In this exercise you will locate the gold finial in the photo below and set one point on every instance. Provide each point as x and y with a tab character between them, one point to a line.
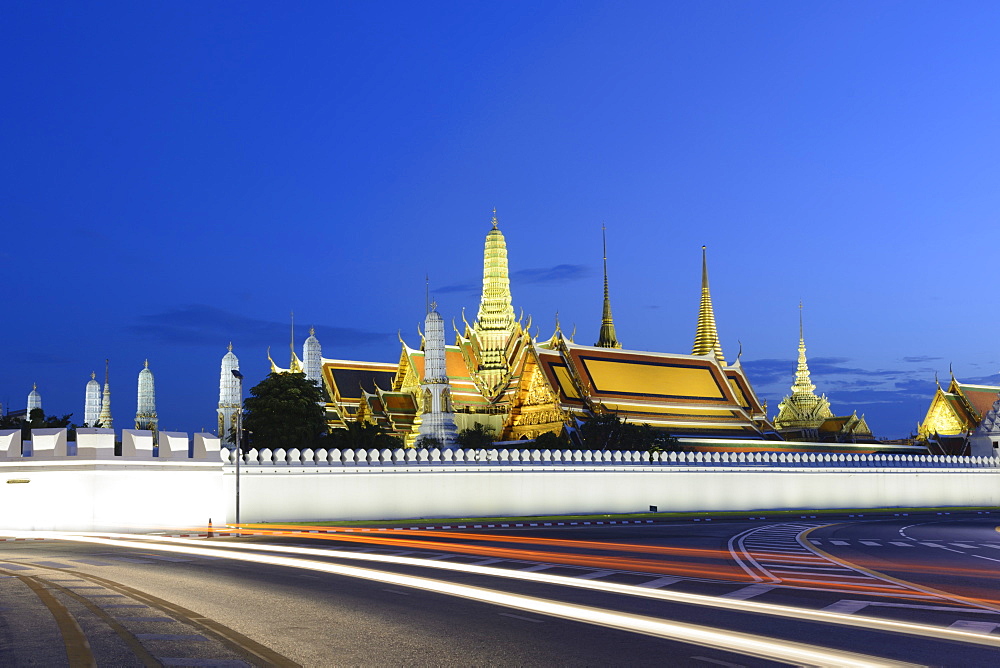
558	326
706	339
494	221
230	346
34	386
147	362
107	364
800	320
93	375
434	306
312	331
607	337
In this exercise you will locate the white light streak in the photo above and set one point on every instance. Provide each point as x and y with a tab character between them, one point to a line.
730	641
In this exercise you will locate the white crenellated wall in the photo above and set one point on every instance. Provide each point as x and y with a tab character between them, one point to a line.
84	486
312	485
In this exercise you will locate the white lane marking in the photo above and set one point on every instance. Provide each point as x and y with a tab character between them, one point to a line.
900	543
595	574
964	546
975	627
839	542
846	606
979	556
941	547
159	557
805	568
536	567
396	591
522	618
823	575
660	582
995	547
749	592
718	662
871	543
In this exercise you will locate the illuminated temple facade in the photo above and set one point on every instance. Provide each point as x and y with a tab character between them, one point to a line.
804	415
955	413
522	386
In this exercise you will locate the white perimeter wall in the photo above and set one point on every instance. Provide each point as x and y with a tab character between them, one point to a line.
307	493
110	498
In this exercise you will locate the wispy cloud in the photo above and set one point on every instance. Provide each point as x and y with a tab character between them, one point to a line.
561	273
918	359
462	288
558	274
200	325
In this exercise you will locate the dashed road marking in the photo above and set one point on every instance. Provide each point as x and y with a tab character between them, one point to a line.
749	592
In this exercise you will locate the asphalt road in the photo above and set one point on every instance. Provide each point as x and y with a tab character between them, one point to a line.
611	595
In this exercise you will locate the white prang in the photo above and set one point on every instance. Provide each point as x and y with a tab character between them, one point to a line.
229	397
312	357
92	402
985	440
145	413
437	419
34	400
105	416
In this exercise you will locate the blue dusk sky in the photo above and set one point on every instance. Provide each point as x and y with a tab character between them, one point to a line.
180	175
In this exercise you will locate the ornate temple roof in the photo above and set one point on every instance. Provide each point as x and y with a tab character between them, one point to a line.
957	410
681	393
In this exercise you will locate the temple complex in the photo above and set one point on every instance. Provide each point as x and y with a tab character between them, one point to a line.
498	375
955	413
803	415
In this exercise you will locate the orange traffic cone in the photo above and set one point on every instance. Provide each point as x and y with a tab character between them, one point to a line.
210	534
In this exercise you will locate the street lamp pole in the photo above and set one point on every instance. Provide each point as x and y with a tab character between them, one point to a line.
239	431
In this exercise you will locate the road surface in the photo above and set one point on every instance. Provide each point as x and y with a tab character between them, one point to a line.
917	590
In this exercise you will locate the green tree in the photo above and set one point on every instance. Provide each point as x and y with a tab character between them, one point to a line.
284	411
361	436
429	443
607	431
38	420
552	441
479	437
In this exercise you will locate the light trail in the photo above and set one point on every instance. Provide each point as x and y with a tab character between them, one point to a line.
729	641
702	571
573	559
188	546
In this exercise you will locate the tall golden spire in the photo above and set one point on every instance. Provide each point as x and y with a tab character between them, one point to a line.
803	384
802	409
495	323
607	339
706	338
